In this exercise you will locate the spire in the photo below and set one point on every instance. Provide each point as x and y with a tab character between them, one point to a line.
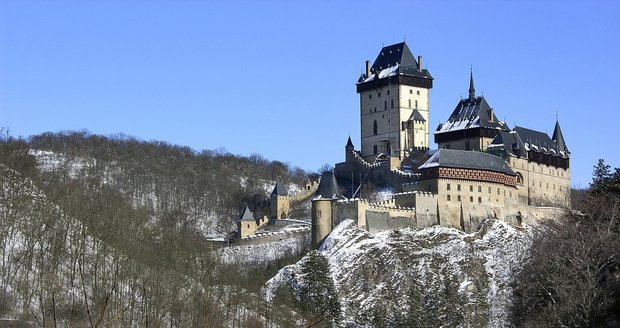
349	144
472	91
558	137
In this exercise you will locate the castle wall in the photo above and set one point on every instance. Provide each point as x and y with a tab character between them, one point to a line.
542	184
475	143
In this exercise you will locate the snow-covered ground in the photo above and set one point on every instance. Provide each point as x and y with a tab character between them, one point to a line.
379	271
263	253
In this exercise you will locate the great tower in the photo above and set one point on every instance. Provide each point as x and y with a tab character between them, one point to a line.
394	104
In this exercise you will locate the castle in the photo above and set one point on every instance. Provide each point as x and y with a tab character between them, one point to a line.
481	168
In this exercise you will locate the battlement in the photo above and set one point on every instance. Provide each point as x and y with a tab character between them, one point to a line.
362	161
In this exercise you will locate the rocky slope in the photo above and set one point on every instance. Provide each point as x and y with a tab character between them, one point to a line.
432	277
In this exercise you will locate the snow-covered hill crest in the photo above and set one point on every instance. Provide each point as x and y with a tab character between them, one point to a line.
437	275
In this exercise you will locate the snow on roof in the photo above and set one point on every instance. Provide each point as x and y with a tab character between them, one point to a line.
390	71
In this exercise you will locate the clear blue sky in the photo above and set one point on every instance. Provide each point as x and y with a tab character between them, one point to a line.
278	77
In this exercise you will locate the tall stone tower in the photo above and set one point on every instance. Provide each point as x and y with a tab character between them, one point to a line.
322	208
394	103
279	202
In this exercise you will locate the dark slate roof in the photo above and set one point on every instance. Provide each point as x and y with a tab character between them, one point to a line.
559	138
279	189
540	142
416	116
472	113
328	187
349	144
395	59
465	159
508	143
246	215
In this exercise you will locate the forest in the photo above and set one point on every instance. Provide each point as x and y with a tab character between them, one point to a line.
112	231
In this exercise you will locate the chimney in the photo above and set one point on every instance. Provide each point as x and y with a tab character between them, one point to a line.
491	118
420	63
367	68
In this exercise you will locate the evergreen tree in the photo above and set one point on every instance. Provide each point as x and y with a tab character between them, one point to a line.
317	297
601	177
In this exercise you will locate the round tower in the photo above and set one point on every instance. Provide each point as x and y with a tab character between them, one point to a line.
323	208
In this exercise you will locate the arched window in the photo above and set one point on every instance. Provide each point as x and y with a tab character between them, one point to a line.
374	127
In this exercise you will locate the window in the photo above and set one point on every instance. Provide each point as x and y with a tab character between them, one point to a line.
479	188
410	92
391	103
375	109
418	92
369	96
471	188
409	103
416	104
379	94
448	186
388	92
375	128
458	198
489	190
471	199
448	197
458	187
479	199
374	149
385	104
498	191
511	194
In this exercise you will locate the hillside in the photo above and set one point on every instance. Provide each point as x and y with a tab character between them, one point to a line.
98	231
419	277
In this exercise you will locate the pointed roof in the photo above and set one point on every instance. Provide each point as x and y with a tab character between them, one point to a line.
558	137
540	142
472	91
279	189
416	116
395	59
247	215
508	143
349	144
328	187
472	113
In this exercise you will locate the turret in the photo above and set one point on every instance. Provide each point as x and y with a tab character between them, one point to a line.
279	202
559	139
322	208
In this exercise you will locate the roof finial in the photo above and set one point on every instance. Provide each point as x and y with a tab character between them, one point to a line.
556	115
472	91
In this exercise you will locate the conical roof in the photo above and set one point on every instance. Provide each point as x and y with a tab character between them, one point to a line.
246	215
328	187
279	189
349	144
558	137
